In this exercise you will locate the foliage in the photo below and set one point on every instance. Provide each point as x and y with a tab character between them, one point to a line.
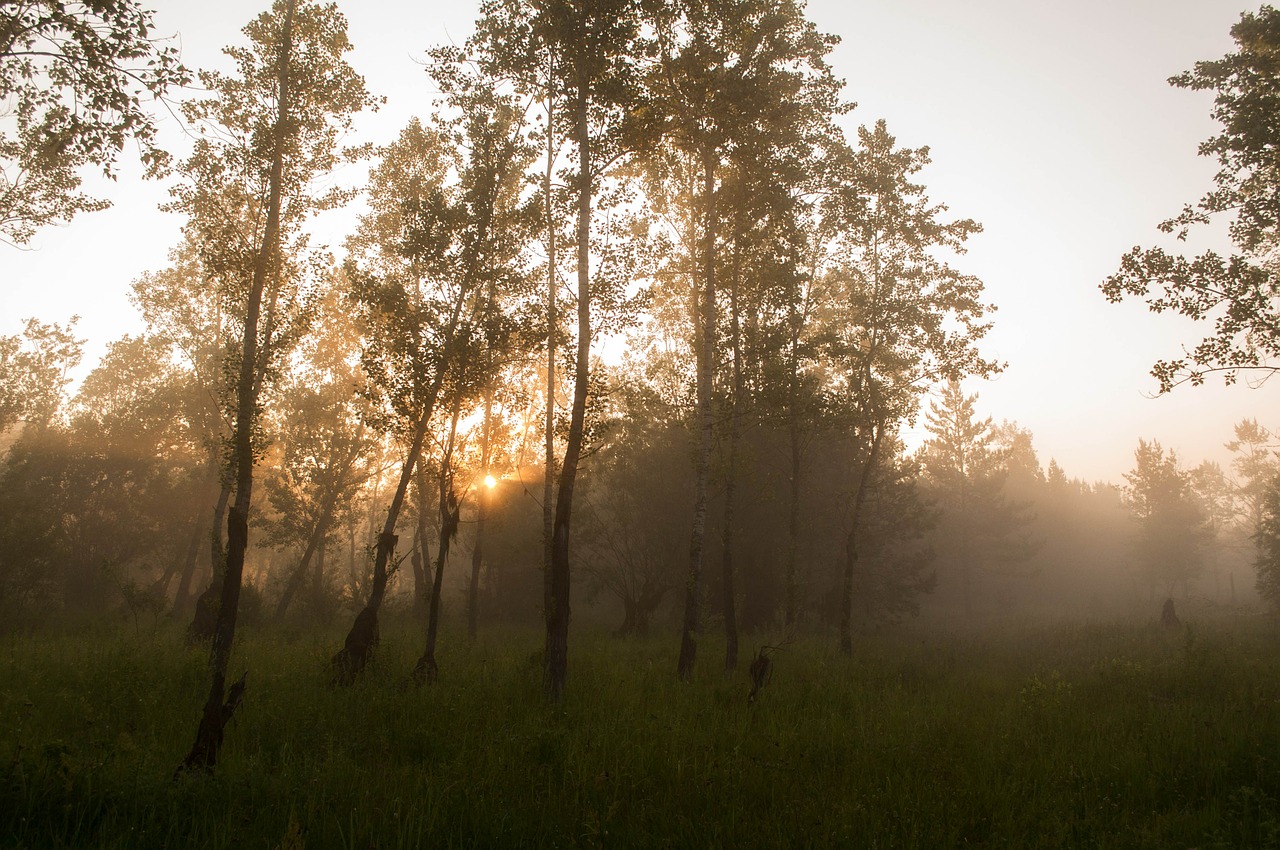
225	186
1171	521
982	530
1240	293
85	505
1267	538
33	372
73	78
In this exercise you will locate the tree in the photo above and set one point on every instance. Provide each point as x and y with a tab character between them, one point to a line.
727	74
981	531
73	77
1171	533
1239	293
86	498
896	316
323	445
1255	466
435	263
1267	562
278	124
578	59
33	372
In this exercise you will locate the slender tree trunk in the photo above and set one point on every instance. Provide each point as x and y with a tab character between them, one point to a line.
553	324
482	497
422	555
188	568
731	477
314	542
792	578
363	636
705	351
851	542
205	616
221	704
557	613
426	670
317	579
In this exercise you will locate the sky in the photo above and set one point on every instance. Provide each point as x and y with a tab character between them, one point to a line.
1052	124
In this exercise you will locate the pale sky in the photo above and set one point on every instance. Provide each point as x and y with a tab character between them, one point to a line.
1050	123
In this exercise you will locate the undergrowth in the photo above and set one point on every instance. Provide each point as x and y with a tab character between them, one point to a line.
1084	736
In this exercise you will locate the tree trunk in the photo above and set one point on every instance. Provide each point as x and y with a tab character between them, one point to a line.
731	474
851	543
705	351
482	496
221	704
350	661
426	670
557	612
205	616
553	324
314	542
422	554
363	637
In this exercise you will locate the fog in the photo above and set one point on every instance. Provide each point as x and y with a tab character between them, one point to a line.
594	427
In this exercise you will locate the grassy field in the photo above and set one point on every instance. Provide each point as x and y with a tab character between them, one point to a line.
1086	736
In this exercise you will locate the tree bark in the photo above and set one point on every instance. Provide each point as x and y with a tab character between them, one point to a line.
553	324
314	541
204	618
482	496
221	704
851	543
356	650
731	474
557	613
426	670
705	354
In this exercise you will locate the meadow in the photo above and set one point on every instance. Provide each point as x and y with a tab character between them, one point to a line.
1097	735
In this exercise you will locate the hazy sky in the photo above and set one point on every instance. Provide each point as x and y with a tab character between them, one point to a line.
1050	123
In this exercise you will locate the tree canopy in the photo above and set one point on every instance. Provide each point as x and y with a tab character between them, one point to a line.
1238	293
75	78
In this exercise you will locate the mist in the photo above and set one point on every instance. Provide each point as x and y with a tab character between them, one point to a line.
618	438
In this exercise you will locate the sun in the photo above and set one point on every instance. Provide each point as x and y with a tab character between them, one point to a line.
490	482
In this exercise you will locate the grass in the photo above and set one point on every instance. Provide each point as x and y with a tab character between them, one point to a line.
1085	736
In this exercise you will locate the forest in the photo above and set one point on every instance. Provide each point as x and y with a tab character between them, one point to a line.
622	478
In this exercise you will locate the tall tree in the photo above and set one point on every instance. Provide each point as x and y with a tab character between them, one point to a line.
577	58
1239	293
185	306
727	72
279	120
982	530
897	316
75	78
434	264
1171	522
34	370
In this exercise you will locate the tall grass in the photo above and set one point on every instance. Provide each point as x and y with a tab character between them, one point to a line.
1085	736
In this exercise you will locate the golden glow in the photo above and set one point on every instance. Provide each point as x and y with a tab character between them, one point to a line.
490	482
